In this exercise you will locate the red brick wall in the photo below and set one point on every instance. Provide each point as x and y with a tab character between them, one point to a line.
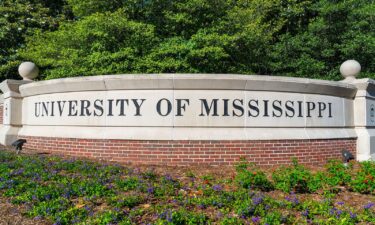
1	114
224	152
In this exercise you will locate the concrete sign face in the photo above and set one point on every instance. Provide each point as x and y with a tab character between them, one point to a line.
180	107
186	108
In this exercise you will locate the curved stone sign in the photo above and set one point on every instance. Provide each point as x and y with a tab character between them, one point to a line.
156	106
234	112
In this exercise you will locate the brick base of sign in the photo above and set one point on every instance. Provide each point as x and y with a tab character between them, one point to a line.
193	152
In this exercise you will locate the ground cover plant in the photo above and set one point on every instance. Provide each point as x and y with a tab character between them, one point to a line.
72	191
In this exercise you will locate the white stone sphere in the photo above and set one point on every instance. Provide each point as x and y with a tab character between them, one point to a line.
350	69
28	70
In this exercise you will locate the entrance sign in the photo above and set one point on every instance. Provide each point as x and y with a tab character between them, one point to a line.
187	118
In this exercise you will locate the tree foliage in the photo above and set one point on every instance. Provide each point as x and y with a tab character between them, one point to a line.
303	38
23	18
101	43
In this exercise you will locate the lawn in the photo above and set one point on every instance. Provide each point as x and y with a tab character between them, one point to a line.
55	190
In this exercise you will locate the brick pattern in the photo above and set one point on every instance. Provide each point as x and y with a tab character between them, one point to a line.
1	114
223	152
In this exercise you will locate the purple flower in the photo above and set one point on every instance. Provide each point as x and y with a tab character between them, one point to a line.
338	213
150	190
58	221
292	199
340	203
257	200
47	196
217	187
168	177
167	215
352	215
368	205
66	194
305	213
201	206
17	172
255	219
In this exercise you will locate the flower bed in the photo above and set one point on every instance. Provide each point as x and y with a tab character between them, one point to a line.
69	191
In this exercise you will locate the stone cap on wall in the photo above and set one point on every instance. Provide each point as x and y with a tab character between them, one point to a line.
365	87
10	88
190	82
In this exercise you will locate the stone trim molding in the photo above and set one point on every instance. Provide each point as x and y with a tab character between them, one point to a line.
187	133
190	82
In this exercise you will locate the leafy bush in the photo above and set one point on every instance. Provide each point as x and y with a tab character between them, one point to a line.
364	179
126	201
338	173
128	184
252	177
296	178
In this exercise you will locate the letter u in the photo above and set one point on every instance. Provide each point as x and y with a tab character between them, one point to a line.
37	109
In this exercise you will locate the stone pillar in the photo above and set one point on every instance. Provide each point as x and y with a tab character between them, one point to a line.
12	102
12	110
364	118
364	109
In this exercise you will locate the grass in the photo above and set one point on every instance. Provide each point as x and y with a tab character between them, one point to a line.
71	191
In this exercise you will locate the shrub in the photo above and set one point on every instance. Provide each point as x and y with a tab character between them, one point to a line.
337	173
364	180
253	178
126	201
296	178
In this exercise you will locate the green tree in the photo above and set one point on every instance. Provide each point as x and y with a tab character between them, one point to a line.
82	8
22	18
337	30
304	38
102	43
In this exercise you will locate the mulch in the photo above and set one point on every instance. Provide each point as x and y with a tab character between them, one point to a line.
15	215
